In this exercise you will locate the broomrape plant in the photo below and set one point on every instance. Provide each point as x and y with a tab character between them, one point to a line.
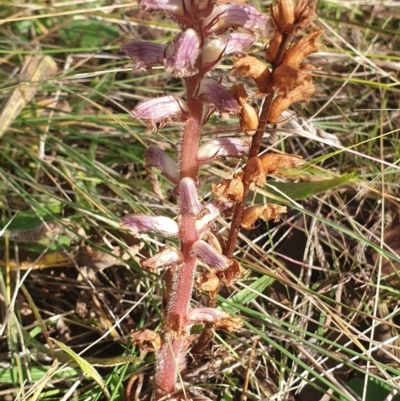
209	32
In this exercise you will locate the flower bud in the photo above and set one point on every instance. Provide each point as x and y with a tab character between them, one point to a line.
157	224
231	43
222	147
156	157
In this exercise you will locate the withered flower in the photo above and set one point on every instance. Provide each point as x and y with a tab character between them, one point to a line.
254	172
282	15
302	49
283	102
248	115
273	162
146	339
252	67
273	47
208	282
266	212
165	258
230	189
219	318
232	274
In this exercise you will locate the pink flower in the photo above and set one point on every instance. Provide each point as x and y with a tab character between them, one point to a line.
225	16
222	147
171	6
189	199
213	92
160	110
210	255
156	157
157	224
145	54
214	209
206	315
186	49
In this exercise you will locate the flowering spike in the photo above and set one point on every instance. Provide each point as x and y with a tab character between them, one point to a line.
222	147
190	204
186	50
155	157
156	224
210	255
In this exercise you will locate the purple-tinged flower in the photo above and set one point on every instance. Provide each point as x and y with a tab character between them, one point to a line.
211	256
222	147
160	110
225	16
156	157
157	224
170	6
167	257
186	49
145	54
231	43
213	92
206	315
189	199
211	212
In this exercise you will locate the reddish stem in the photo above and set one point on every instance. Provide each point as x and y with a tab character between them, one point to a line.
174	344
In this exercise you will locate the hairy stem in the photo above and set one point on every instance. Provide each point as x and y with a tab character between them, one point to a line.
174	344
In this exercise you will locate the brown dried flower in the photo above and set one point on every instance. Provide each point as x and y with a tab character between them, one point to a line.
233	273
229	189
302	48
273	162
266	212
283	102
248	115
147	339
252	67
